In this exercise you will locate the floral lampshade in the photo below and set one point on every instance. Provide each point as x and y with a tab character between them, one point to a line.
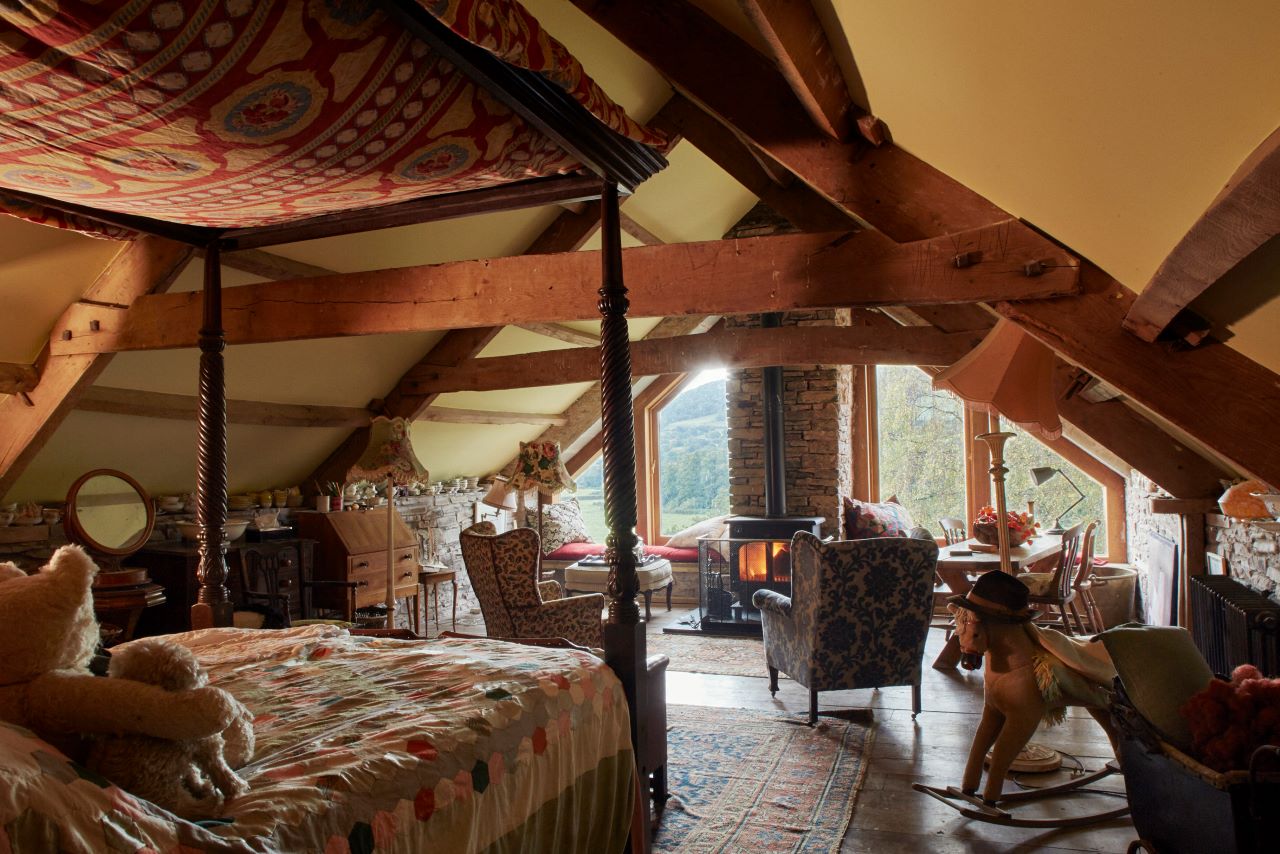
389	454
1009	374
539	467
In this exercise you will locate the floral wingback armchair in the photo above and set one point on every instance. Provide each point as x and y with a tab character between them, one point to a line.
503	570
857	618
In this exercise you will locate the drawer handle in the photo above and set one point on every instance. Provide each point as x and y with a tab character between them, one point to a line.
286	584
362	584
364	564
406	575
406	556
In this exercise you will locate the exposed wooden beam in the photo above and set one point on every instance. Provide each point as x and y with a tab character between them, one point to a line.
798	271
802	205
533	193
1243	216
563	333
271	266
16	379
1212	393
183	407
450	415
1139	442
736	348
141	266
895	192
638	231
803	56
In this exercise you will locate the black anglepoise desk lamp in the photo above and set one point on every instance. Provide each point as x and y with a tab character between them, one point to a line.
1042	475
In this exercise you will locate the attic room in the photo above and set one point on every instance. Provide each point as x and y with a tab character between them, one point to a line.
929	329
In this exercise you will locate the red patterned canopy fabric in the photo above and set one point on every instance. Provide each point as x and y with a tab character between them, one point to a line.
238	113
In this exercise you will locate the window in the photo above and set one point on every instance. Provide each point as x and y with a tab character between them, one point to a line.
1023	453
693	454
920	445
590	497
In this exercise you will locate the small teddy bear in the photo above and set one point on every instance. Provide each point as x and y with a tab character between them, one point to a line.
192	778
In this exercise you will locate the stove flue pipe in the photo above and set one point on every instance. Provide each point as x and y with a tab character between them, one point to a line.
775	457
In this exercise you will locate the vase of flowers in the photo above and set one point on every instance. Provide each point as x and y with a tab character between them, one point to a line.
1021	527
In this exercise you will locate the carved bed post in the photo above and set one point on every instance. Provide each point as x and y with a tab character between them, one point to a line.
213	605
624	638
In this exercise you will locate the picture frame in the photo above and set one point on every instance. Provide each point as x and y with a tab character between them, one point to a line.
1215	564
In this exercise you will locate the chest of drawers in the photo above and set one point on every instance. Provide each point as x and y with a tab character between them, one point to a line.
352	549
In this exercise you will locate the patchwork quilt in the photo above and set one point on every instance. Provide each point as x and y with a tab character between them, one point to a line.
365	745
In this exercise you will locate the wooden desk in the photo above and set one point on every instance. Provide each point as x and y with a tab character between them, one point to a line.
955	569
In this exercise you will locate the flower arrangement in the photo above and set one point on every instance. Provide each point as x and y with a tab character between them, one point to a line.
1021	527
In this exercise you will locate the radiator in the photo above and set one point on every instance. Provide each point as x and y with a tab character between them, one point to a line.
1232	624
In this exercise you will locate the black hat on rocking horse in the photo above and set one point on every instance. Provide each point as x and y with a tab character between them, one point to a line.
997	596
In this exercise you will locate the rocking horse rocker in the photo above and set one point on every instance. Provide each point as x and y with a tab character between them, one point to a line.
1031	674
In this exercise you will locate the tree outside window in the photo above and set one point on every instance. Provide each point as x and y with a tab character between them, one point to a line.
921	445
693	454
590	497
1023	453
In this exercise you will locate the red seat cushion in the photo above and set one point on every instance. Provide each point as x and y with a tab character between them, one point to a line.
577	551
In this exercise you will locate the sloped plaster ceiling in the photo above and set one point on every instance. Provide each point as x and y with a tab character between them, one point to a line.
1109	125
42	270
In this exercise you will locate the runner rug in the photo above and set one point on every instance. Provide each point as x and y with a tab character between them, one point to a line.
753	781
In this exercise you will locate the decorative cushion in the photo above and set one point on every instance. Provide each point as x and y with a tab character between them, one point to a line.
1161	670
864	520
561	523
717	527
571	552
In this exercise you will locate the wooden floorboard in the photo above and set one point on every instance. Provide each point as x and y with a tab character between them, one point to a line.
889	817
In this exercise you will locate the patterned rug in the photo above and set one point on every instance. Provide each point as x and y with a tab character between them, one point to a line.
708	654
753	781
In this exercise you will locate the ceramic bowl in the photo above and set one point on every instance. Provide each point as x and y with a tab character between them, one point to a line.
986	533
234	530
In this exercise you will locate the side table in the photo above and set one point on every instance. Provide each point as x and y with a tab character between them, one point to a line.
122	606
431	579
654	575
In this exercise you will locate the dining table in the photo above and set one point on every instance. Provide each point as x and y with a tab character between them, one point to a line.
960	564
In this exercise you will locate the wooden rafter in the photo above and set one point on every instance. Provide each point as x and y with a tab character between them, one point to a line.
1168	463
1199	391
799	47
895	192
560	332
716	277
730	348
452	415
143	266
183	407
638	231
271	266
1243	216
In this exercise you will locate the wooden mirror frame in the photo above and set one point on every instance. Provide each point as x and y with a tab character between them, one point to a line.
76	532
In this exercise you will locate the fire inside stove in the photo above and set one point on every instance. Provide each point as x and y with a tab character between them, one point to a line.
756	556
763	565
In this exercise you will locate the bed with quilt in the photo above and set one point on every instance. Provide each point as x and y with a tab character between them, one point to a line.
368	744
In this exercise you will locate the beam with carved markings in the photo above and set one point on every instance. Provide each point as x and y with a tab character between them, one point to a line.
736	348
1243	216
799	271
142	266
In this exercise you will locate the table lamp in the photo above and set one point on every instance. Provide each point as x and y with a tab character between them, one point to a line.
500	495
1042	475
539	467
389	457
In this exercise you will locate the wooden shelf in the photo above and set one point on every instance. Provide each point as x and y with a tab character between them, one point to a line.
24	534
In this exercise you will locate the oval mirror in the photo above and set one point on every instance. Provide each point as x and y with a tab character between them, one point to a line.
109	512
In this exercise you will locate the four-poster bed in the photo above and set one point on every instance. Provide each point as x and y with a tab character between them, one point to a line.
235	125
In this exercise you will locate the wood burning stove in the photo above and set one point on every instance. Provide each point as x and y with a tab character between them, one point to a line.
757	553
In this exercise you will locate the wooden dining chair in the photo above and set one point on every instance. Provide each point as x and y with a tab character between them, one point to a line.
1083	585
1056	589
954	530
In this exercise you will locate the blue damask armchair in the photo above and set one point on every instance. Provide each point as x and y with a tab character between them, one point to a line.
857	617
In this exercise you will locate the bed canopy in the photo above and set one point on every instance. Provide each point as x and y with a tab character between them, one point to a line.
232	124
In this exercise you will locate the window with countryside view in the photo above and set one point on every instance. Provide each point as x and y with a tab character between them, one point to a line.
693	453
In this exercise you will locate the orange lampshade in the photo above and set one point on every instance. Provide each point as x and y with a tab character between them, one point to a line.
1009	374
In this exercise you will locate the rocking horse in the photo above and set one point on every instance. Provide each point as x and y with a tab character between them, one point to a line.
1032	674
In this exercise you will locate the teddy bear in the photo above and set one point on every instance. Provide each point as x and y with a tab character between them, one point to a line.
192	777
48	635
